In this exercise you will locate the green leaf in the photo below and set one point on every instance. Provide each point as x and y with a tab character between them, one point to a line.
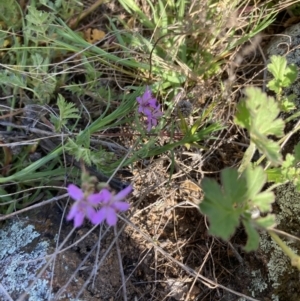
270	148
243	115
181	9
221	205
79	152
256	179
287	103
277	66
248	155
258	114
206	133
253	237
275	85
38	23
288	162
22	175
66	111
264	200
290	171
196	125
237	195
266	111
10	14
183	124
84	138
297	151
284	75
163	18
274	175
131	7
234	186
266	221
223	221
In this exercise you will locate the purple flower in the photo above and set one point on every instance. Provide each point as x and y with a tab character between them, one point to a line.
152	118
149	106
83	207
111	204
146	102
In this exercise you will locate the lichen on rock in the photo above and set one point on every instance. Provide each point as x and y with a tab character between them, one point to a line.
281	275
21	260
258	284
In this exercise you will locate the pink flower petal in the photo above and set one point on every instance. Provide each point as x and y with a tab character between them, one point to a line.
147	94
72	213
100	216
95	198
149	126
91	214
75	192
105	195
123	194
147	102
111	216
139	100
145	110
121	206
153	103
154	122
78	219
156	114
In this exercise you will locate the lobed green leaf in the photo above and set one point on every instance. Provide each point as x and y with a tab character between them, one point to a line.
258	114
284	75
253	237
222	216
232	201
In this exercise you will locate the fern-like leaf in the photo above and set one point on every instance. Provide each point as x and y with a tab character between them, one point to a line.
66	111
79	152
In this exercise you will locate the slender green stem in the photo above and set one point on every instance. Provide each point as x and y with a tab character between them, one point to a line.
295	259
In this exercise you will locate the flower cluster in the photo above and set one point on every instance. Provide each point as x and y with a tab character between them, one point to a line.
97	207
149	106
